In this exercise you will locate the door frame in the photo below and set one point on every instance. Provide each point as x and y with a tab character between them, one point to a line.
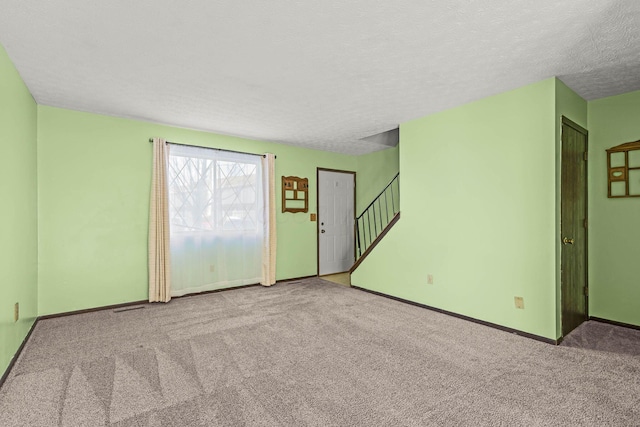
318	169
568	122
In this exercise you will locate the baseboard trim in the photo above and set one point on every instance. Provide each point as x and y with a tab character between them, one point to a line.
91	310
463	317
18	353
297	278
613	322
237	287
194	294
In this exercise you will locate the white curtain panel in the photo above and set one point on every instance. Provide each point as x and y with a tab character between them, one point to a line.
159	252
216	209
270	242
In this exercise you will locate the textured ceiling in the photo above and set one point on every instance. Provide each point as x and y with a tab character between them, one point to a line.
320	74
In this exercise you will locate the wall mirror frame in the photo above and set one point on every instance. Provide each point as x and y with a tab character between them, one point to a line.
623	170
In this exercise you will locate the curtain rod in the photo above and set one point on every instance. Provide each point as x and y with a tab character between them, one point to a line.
212	148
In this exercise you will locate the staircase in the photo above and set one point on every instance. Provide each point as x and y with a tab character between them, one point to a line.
377	219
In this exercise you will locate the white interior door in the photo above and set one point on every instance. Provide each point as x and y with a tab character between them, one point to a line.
335	221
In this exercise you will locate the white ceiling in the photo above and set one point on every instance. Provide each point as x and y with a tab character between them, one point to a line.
320	74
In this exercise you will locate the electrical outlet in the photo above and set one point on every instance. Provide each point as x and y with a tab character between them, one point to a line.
16	312
519	301
429	279
211	268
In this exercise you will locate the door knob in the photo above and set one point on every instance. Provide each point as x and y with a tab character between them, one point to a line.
567	241
322	231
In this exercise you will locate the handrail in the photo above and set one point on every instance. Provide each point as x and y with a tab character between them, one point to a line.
380	194
366	234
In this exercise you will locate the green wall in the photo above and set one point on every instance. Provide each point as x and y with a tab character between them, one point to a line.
573	107
18	226
94	180
614	224
480	185
478	202
375	171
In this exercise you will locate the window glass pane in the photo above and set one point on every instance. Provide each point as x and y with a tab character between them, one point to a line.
237	185
190	193
214	190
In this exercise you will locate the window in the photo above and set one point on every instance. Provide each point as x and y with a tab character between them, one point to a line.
213	190
216	216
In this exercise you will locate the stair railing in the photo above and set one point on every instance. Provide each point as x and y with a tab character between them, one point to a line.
375	218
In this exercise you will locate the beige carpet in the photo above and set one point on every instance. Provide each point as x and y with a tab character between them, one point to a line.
318	354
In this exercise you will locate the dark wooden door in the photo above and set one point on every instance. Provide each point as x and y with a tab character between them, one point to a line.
573	226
